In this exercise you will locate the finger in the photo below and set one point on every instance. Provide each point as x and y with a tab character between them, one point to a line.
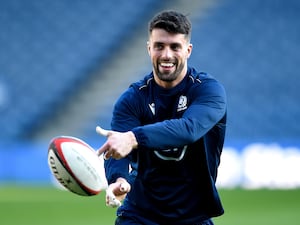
103	148
111	199
102	131
107	155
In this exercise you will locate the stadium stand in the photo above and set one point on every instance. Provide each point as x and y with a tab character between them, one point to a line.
253	48
49	47
52	51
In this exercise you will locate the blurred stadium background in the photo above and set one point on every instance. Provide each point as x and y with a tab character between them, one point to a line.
64	63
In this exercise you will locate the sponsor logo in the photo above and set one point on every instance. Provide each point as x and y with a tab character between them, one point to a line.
152	108
175	154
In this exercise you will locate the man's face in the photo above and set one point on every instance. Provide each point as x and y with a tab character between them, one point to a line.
169	54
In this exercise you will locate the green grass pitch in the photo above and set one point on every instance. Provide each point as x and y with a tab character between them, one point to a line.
47	205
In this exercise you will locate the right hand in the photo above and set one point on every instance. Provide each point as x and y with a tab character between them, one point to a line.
118	144
116	192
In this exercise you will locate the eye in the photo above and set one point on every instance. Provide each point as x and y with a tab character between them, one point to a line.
158	46
175	47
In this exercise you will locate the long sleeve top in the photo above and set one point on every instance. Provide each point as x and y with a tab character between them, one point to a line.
180	134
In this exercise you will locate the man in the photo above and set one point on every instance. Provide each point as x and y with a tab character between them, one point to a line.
169	127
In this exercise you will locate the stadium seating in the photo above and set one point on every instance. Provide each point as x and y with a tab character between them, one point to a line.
252	47
49	47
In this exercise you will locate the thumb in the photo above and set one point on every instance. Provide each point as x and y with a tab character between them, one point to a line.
102	131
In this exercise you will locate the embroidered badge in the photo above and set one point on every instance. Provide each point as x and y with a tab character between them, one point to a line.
182	103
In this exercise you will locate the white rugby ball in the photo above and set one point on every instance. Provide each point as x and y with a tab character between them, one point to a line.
76	166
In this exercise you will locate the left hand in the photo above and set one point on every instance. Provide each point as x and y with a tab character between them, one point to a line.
118	144
116	192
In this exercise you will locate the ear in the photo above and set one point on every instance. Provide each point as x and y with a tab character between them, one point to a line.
148	47
189	50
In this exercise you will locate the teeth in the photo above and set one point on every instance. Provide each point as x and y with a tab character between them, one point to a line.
167	64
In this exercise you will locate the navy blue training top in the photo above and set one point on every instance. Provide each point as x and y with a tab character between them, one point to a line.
180	134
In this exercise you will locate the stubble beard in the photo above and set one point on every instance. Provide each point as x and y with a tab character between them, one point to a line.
169	77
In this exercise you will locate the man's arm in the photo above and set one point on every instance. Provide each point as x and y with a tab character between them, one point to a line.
120	137
205	111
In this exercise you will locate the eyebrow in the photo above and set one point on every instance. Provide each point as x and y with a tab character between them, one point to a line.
163	43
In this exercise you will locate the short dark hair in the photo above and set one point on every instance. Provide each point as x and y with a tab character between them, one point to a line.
172	22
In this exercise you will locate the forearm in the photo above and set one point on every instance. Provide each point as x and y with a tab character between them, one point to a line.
176	132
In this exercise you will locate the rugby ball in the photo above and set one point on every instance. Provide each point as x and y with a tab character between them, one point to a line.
76	166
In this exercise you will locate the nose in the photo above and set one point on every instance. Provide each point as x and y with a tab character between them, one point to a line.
167	53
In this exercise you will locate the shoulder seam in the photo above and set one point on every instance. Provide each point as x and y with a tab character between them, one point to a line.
147	83
195	79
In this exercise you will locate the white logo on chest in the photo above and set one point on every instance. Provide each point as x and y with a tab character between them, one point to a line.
182	103
175	154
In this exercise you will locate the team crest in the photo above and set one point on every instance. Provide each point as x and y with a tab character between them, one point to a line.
182	103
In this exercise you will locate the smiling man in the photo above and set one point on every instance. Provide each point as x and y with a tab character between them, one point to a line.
169	53
169	128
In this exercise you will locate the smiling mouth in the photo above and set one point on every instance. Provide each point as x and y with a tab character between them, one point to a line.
167	65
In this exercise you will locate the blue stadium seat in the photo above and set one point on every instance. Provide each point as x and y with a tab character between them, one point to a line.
252	47
50	47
